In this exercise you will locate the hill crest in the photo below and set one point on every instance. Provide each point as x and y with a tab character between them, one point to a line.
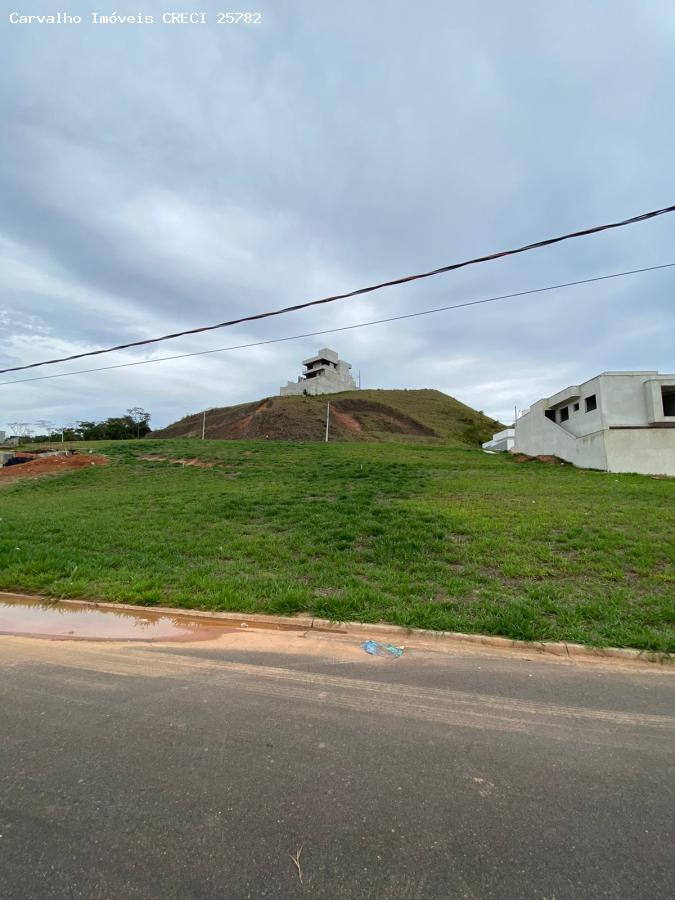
366	415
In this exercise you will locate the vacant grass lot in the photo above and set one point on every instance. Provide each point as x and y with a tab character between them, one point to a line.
416	535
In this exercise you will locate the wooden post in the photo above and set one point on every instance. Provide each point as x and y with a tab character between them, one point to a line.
203	424
327	419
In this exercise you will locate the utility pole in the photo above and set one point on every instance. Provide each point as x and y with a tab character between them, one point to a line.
204	425
359	379
327	419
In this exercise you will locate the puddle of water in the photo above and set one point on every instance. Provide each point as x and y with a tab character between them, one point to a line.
64	621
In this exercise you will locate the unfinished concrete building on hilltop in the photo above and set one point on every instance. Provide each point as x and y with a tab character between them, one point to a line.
324	374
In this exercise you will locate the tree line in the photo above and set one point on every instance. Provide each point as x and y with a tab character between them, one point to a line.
134	424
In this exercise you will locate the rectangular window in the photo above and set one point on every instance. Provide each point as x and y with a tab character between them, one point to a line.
550	414
564	413
668	400
576	407
591	403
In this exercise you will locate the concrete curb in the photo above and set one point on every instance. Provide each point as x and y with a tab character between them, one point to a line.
392	632
555	648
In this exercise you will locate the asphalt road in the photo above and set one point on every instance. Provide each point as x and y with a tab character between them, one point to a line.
201	770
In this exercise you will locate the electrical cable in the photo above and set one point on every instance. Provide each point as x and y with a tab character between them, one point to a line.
296	337
359	291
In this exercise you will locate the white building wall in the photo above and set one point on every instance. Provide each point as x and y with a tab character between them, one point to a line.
501	441
333	377
582	422
621	399
626	432
624	398
538	436
656	407
328	383
647	451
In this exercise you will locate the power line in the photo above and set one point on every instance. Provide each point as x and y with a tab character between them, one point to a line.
297	337
366	290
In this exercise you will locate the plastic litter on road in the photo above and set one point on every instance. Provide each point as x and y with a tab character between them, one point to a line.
375	648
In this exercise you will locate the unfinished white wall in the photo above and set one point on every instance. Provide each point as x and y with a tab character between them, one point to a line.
627	432
624	398
328	383
331	376
538	436
648	451
580	422
656	413
501	441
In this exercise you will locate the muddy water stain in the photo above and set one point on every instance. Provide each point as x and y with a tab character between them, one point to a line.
63	621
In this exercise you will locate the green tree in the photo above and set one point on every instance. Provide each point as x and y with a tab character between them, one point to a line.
140	419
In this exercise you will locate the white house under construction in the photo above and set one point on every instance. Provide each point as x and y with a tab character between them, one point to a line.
324	374
617	421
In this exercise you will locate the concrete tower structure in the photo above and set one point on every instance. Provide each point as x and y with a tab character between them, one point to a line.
323	374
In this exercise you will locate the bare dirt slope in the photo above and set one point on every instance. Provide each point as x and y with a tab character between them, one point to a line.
368	415
51	465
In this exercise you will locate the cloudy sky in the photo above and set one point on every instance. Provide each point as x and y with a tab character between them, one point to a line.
161	177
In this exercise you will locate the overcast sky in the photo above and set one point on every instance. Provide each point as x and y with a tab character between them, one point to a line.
161	177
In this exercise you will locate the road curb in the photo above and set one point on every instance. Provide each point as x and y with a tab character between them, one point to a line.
393	632
555	648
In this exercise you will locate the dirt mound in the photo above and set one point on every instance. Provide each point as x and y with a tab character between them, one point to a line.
381	417
304	419
368	415
551	460
51	465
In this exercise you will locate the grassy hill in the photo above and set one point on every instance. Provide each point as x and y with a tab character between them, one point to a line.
368	415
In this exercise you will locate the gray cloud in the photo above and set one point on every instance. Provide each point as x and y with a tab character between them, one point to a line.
161	177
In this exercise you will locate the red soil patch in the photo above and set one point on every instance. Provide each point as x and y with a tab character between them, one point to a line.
379	417
51	465
551	460
243	427
346	420
180	462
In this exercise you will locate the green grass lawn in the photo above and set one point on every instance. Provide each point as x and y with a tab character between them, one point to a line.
423	536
